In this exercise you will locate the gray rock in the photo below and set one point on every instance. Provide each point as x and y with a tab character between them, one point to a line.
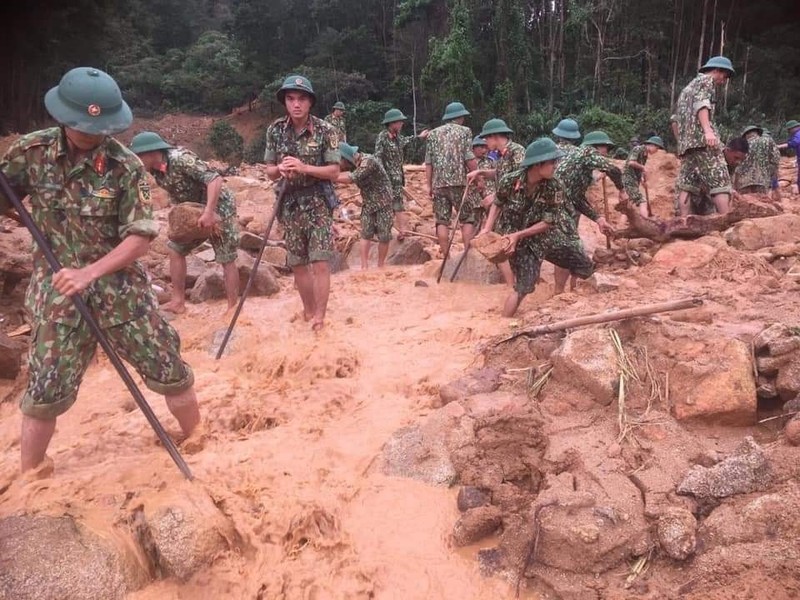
478	382
746	470
474	269
249	241
677	533
11	353
787	383
194	269
55	558
470	496
604	282
410	252
265	282
476	524
586	359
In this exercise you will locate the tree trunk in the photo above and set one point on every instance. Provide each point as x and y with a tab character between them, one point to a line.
677	50
702	36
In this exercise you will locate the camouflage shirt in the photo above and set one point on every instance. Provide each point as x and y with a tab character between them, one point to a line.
85	209
185	177
449	148
760	165
373	183
566	147
510	158
488	186
522	209
317	144
699	94
639	155
339	124
389	150
575	173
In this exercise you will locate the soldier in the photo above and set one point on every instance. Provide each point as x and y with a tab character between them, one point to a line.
567	134
336	118
698	143
793	127
532	212
389	146
575	174
188	179
634	173
448	159
89	195
758	172
376	194
304	150
700	202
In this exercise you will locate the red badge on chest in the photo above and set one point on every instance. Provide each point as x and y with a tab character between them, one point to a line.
100	164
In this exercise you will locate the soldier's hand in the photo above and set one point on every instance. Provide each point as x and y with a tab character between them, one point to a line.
207	220
292	165
605	227
424	133
472	175
72	281
513	239
711	139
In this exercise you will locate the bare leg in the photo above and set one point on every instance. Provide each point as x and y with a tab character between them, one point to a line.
183	407
683	203
365	244
560	276
722	202
511	304
305	285
467	233
573	283
177	272
442	232
322	290
231	274
383	250
401	222
34	440
507	273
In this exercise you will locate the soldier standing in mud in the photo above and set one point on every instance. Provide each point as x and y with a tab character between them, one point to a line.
304	150
368	174
389	146
89	194
530	208
633	174
448	158
188	179
700	202
758	172
698	143
575	174
336	118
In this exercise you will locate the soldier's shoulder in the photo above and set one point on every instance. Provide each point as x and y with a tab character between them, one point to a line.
183	157
117	151
508	182
43	137
276	124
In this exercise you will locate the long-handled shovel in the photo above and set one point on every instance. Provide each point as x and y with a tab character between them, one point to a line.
452	234
275	211
94	327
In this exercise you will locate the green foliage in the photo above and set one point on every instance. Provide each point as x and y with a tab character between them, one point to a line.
620	129
225	142
254	152
533	125
364	122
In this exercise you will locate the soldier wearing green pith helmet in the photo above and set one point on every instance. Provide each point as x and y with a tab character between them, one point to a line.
567	134
89	195
758	172
336	118
633	173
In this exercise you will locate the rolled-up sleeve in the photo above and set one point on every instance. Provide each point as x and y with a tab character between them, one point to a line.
135	207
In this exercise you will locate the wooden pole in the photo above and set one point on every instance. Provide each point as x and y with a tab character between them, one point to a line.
618	315
452	233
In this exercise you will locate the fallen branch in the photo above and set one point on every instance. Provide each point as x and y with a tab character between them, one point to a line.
411	197
619	315
419	234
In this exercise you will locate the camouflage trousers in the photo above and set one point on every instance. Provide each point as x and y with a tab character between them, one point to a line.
448	199
309	231
226	244
631	186
699	204
704	169
561	249
60	354
376	222
398	202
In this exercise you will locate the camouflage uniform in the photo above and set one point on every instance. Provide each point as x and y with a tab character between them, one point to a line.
631	178
341	127
566	147
760	166
481	188
448	148
700	202
510	158
376	192
305	214
389	150
560	245
699	163
85	210
574	171
185	177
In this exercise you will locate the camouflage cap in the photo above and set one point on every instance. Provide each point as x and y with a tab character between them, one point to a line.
296	83
540	151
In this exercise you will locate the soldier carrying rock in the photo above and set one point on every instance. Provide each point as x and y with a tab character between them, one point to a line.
187	178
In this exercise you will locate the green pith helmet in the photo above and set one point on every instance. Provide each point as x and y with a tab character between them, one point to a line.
478	141
540	151
348	152
493	126
296	83
148	141
453	111
656	141
718	62
750	128
597	138
88	100
567	129
393	115
339	106
792	125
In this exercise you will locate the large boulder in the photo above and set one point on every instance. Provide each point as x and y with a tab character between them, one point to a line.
411	252
754	234
55	558
474	269
683	255
11	353
746	470
587	360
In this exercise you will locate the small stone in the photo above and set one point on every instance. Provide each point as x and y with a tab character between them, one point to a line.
766	391
770	365
770	334
746	470
490	561
470	497
476	524
604	282
480	381
792	405
420	283
677	533
249	241
788	382
614	450
792	431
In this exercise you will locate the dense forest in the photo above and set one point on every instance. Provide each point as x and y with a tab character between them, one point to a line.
614	63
